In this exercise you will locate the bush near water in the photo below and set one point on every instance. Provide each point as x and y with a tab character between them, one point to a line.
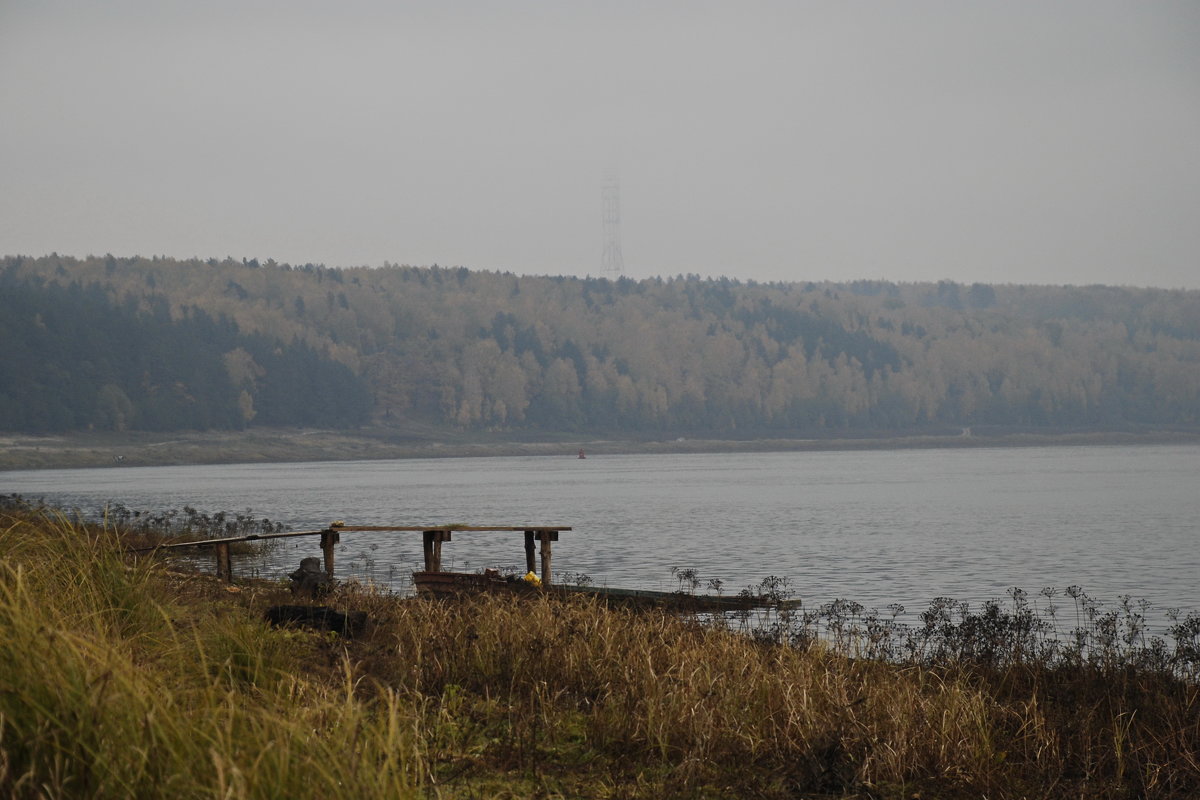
126	678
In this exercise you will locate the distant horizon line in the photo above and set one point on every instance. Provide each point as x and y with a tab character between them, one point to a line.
388	264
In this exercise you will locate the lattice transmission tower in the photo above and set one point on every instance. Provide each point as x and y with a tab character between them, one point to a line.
611	260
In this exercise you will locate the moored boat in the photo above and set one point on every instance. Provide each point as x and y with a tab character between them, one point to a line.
458	583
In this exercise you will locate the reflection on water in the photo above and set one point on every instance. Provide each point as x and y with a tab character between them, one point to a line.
878	527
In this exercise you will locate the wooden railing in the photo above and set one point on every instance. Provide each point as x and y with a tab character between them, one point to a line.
432	538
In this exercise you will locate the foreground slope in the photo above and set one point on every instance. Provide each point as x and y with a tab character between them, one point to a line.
124	679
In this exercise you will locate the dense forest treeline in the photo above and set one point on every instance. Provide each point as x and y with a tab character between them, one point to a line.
75	359
158	343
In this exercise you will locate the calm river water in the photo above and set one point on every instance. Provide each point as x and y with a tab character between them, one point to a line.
877	527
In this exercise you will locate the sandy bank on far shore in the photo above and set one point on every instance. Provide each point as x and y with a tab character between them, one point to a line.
21	452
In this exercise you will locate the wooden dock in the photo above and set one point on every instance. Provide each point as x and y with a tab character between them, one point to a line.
433	536
434	580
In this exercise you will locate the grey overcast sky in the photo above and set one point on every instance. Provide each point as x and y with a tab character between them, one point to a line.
1001	142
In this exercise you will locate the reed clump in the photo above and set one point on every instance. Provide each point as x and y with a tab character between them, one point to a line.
120	678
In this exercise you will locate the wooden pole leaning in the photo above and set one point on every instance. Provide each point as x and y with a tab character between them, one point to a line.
427	549
431	544
546	561
546	538
530	561
224	563
329	538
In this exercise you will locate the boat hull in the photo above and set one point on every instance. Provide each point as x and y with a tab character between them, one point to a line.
458	583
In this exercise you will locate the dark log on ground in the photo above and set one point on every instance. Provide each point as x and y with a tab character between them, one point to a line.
319	617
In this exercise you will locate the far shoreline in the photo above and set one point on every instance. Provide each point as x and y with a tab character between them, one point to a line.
92	450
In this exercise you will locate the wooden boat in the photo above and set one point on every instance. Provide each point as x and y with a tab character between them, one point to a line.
451	583
680	601
433	580
457	583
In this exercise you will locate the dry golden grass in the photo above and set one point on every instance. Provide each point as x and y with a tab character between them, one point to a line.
122	679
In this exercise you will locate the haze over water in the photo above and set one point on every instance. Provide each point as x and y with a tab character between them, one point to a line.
876	527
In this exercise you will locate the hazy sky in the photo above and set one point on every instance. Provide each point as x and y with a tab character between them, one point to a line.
999	142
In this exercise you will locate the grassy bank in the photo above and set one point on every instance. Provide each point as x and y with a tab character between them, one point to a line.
123	678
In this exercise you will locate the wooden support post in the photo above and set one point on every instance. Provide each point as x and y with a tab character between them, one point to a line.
328	539
224	564
442	536
427	547
530	562
546	540
432	545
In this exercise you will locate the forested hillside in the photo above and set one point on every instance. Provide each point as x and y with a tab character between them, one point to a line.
158	343
74	358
